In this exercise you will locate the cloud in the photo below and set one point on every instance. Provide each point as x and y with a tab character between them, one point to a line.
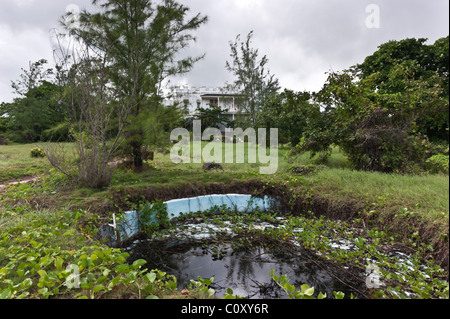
26	35
302	39
17	48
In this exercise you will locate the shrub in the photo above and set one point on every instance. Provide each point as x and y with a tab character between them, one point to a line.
438	164
377	127
3	140
37	152
153	216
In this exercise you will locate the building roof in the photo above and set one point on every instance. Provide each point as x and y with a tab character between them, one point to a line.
220	95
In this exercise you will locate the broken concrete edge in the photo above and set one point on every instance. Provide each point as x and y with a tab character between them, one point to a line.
130	226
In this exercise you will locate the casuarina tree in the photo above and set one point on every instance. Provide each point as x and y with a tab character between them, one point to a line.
253	81
145	40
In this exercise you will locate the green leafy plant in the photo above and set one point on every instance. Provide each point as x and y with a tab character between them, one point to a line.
201	287
32	267
305	292
438	164
37	152
229	295
153	216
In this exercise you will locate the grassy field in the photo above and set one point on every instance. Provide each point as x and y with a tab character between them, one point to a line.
16	162
425	194
51	205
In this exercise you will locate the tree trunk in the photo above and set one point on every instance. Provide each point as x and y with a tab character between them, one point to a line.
137	156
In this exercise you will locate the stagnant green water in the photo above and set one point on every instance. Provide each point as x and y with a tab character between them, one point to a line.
246	270
243	264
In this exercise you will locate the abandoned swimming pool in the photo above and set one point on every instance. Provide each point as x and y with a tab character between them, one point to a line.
242	261
239	240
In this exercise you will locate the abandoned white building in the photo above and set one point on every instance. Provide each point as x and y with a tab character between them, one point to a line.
192	98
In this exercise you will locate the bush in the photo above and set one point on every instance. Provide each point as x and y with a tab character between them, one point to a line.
389	150
153	216
376	126
3	140
438	164
37	152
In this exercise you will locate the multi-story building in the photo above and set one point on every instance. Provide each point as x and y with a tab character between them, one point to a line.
192	98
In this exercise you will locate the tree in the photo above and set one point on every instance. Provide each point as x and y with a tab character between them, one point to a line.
97	115
143	38
212	117
392	53
253	82
293	113
430	61
38	107
5	122
384	112
377	128
32	78
440	51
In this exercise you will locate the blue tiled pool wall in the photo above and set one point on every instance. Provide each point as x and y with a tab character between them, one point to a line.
129	225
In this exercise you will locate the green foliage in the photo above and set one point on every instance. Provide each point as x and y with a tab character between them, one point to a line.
384	112
305	292
212	117
38	107
438	164
201	287
37	152
154	122
32	115
32	265
229	295
377	128
153	216
431	60
293	113
400	278
144	39
253	81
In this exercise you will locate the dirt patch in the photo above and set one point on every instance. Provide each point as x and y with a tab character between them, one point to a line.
25	179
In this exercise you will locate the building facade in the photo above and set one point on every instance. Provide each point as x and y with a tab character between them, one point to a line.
193	98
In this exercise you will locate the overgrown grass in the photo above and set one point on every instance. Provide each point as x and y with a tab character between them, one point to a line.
16	162
427	194
407	196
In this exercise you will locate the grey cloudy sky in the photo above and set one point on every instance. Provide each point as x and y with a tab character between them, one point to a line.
303	39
